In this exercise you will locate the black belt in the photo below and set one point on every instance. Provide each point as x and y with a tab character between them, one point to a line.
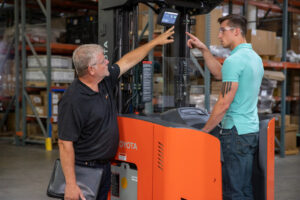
92	163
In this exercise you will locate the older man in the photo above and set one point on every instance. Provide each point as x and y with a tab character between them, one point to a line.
87	118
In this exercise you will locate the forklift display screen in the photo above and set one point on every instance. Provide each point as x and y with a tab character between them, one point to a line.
168	17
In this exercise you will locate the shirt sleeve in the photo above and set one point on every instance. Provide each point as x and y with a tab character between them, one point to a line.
69	122
231	70
114	71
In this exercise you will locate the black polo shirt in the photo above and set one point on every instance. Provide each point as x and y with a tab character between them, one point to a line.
89	118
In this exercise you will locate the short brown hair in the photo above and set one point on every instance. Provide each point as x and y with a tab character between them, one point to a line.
236	21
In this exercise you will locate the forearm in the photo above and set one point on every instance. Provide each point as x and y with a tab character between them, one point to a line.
132	58
216	116
225	99
135	56
67	157
212	63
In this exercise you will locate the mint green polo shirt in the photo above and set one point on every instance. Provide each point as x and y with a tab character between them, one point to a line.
245	67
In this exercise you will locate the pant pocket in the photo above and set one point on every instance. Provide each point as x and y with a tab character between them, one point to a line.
226	141
246	144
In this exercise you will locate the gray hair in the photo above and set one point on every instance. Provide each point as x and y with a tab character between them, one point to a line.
84	56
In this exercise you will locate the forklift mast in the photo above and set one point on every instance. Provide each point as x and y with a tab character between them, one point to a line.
118	34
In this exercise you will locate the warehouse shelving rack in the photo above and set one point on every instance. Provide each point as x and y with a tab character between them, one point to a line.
5	57
21	134
62	48
268	6
26	46
48	49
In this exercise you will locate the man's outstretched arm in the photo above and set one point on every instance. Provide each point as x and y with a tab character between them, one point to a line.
135	56
212	63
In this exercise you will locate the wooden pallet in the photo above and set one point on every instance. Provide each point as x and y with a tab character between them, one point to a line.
6	133
292	152
44	84
271	58
42	138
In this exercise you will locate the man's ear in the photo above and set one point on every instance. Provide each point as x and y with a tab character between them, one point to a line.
238	31
90	70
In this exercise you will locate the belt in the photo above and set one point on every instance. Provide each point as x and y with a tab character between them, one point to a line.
92	163
225	131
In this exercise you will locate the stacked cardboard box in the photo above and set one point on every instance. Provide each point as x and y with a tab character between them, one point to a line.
294	119
54	133
291	130
295	45
33	130
39	104
214	26
295	87
61	69
56	96
9	126
143	20
263	42
216	87
8	79
62	62
278	55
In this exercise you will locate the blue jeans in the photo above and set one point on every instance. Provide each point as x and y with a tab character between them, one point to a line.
238	152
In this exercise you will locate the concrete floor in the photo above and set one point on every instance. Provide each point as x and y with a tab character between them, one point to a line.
25	172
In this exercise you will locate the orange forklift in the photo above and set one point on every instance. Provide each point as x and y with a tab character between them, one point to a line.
163	158
166	156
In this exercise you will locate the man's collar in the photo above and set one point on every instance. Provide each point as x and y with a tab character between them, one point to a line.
241	46
84	89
